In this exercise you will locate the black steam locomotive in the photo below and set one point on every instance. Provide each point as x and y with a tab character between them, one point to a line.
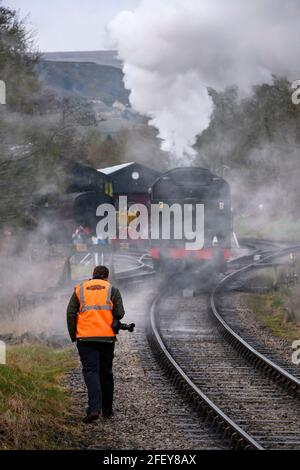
60	214
190	188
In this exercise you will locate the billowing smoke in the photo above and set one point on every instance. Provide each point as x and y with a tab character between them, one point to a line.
174	50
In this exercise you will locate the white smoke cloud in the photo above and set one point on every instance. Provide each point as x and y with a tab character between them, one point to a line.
174	49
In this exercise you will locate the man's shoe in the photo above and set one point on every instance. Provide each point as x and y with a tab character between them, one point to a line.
93	416
107	415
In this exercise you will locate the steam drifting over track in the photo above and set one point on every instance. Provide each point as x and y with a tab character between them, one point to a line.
244	395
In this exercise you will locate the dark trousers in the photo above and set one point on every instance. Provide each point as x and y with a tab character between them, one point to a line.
97	360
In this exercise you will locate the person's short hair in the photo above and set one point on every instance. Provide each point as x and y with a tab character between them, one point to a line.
101	272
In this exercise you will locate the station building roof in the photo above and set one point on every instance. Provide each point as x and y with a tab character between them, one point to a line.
130	177
114	169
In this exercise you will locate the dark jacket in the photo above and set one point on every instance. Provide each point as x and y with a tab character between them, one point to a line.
73	309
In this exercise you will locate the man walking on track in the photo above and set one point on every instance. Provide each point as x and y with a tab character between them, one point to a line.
94	312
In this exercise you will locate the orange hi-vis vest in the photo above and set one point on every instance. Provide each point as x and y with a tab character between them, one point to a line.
95	314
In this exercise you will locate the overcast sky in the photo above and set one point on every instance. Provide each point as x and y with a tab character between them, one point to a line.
70	25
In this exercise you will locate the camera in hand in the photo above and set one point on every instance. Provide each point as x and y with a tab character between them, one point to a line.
117	326
130	327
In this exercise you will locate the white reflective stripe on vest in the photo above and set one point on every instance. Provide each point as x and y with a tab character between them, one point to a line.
84	308
96	307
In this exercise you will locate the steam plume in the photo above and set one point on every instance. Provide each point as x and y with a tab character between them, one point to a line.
174	50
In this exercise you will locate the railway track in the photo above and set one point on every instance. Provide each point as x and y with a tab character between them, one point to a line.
285	373
141	267
236	392
252	402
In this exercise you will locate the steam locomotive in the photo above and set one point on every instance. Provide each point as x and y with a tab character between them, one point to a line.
60	213
189	188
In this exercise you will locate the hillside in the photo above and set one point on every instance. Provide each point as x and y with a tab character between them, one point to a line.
87	79
108	58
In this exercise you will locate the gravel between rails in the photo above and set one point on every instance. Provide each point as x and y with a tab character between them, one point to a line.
253	401
236	312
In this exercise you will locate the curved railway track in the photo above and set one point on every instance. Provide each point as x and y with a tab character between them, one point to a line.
247	398
286	374
244	396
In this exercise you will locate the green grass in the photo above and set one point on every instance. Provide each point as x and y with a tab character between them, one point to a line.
276	229
34	407
278	311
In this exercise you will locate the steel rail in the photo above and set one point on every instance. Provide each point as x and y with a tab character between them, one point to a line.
199	401
257	359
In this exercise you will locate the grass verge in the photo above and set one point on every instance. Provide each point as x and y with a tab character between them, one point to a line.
278	311
261	227
34	406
